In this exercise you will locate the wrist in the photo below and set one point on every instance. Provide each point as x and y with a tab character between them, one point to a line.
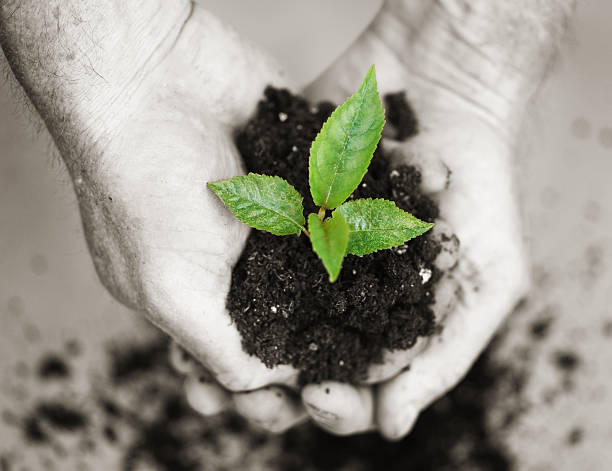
487	58
81	71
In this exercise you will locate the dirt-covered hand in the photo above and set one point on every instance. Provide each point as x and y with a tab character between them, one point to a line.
143	109
469	85
162	242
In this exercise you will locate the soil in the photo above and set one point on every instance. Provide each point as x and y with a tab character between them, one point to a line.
280	298
145	419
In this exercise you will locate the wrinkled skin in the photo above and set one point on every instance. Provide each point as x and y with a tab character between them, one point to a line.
163	244
465	152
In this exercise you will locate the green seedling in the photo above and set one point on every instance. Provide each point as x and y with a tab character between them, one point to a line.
339	158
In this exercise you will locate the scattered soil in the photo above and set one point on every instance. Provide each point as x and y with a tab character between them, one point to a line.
129	362
61	416
280	298
575	436
53	367
400	115
540	328
144	417
566	361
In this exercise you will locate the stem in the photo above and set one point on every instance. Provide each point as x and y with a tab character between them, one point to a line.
305	232
321	213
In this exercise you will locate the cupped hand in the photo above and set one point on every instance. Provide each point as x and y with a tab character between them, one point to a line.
164	245
469	95
161	241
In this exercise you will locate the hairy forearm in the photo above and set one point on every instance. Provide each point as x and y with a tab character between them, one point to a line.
78	60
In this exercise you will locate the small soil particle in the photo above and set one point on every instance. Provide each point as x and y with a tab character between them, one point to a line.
129	362
281	300
110	434
33	430
540	328
400	115
567	361
73	347
61	416
575	436
53	367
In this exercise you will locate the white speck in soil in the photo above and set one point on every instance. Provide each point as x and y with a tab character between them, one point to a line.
282	117
401	250
341	362
294	149
313	347
274	309
394	174
425	274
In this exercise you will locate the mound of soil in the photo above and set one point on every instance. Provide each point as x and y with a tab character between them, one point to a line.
280	298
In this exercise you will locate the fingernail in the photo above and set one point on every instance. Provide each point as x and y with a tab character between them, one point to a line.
402	424
321	415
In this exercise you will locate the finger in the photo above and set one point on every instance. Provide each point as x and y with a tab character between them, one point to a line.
448	357
206	397
449	245
340	408
181	360
435	174
272	408
394	362
446	292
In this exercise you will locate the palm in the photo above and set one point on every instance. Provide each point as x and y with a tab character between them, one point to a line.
168	245
180	244
462	129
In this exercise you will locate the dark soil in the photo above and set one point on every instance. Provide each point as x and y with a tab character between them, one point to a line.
53	367
160	432
450	435
281	300
61	416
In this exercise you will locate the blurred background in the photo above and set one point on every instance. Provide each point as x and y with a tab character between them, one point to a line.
84	383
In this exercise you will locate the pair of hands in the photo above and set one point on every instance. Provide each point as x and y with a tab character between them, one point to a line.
164	245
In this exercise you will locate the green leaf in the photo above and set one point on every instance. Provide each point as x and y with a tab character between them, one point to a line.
263	202
378	224
329	241
342	151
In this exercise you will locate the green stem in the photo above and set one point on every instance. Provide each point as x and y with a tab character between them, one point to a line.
321	213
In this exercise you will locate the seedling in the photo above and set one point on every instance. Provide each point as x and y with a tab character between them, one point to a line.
339	158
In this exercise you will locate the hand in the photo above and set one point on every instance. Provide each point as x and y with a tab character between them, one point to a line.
141	137
469	94
143	118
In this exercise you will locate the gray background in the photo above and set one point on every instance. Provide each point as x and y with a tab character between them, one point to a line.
49	292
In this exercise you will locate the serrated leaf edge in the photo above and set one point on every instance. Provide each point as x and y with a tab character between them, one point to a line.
300	226
317	141
425	229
